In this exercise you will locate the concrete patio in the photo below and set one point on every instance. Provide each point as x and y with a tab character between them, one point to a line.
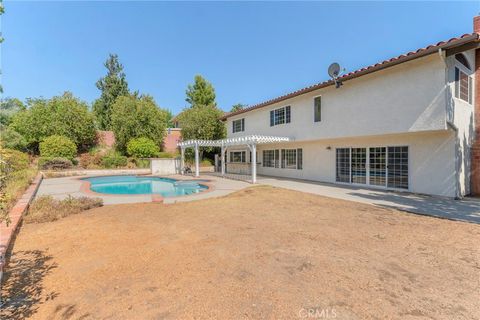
467	210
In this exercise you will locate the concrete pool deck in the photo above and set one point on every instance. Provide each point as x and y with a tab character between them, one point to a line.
61	188
467	210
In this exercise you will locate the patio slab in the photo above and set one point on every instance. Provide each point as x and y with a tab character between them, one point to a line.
61	188
467	209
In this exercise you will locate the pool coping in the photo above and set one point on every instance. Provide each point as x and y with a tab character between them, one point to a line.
86	187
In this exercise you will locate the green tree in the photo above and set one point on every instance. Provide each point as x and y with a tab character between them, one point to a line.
237	107
8	108
201	93
137	116
63	115
202	123
113	85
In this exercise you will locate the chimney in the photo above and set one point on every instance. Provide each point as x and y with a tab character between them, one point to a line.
475	151
476	24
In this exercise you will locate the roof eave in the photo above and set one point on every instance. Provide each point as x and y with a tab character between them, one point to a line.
364	71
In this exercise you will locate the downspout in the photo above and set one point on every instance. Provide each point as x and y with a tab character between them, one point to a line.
450	123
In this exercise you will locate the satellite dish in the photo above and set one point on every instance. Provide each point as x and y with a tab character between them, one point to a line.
334	72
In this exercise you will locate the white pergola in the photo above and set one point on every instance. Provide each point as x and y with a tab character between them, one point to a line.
251	141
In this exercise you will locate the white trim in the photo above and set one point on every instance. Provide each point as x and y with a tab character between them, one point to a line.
246	140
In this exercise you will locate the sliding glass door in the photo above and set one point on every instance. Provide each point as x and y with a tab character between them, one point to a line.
377	166
397	167
359	165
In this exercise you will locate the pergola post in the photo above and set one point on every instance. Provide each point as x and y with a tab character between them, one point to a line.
197	161
253	148
222	156
182	161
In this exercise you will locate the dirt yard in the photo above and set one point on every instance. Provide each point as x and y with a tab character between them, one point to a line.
259	253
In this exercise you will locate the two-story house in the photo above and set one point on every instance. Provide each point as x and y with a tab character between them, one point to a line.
407	123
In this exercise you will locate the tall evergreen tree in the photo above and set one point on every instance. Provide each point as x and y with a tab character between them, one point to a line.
201	93
113	85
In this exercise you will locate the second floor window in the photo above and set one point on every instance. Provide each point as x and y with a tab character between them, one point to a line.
238	125
280	116
463	86
317	109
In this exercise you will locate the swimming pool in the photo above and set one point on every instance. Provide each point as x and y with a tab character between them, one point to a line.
144	185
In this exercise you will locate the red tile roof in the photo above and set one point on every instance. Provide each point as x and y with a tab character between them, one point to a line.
466	38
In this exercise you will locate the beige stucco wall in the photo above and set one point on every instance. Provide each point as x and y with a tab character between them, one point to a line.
461	116
409	97
431	159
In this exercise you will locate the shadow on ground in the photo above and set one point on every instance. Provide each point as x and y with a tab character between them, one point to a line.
22	286
460	210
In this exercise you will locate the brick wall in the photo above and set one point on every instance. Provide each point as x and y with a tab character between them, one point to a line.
172	137
475	176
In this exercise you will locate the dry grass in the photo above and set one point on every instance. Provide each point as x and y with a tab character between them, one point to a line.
46	208
260	253
15	186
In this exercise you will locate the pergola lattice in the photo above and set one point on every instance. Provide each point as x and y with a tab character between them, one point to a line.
251	141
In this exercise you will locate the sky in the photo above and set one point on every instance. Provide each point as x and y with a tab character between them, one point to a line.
249	51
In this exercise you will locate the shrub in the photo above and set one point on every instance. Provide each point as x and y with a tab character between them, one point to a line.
134	117
58	147
206	163
64	115
11	139
140	163
54	163
166	155
46	208
114	160
90	160
142	148
15	160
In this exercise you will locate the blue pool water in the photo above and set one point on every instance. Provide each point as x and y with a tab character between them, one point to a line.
144	185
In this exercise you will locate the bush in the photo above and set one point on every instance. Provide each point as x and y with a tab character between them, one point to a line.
90	160
11	139
134	117
58	147
64	115
166	155
46	208
15	160
114	160
142	148
206	163
54	163
140	163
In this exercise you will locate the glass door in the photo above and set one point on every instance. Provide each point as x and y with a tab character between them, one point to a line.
378	166
359	165
398	167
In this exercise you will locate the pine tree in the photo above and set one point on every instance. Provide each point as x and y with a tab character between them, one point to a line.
201	93
113	85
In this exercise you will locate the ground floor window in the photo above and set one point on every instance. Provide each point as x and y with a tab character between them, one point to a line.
290	158
237	156
376	166
269	158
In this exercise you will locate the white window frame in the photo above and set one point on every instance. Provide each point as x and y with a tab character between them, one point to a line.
468	73
276	117
385	187
321	102
242	125
243	156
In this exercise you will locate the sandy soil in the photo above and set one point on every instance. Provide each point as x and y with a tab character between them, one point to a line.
258	253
